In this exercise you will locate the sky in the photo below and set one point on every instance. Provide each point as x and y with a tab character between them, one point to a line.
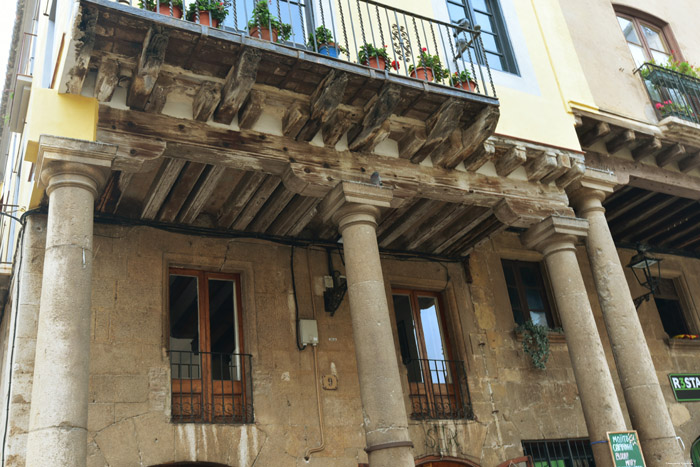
7	22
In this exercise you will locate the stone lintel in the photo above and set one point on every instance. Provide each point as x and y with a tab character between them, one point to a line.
554	228
361	194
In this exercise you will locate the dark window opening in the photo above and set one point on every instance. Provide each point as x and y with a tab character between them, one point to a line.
528	293
668	304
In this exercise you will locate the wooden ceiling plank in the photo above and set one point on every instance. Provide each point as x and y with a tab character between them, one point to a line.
491	229
513	158
304	220
377	110
393	216
178	195
624	139
479	217
201	193
688	225
415	217
595	134
651	218
440	221
163	182
614	213
256	203
148	67
269	212
239	198
292	214
239	81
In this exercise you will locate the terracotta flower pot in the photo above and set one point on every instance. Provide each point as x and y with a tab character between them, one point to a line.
376	62
164	9
423	73
264	33
205	19
466	85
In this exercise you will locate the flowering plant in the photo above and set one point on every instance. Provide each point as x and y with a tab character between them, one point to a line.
427	60
151	4
323	36
368	51
462	77
217	9
672	64
263	19
669	107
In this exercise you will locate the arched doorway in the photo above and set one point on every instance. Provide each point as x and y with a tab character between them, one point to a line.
695	453
435	461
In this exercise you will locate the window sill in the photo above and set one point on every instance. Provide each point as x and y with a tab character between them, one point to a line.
682	343
554	337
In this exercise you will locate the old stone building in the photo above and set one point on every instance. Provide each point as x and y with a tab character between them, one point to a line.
325	233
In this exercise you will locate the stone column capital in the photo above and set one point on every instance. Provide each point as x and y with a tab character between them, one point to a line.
554	234
70	162
587	193
351	202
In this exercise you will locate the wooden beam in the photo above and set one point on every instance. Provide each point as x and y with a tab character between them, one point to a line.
421	209
294	119
673	153
107	79
324	102
239	197
624	139
134	153
251	209
304	220
205	101
690	162
182	189
393	216
473	216
449	213
411	142
647	148
77	60
563	166
335	128
380	136
473	139
201	193
439	127
479	156
578	168
599	131
274	206
239	81
377	110
162	183
292	214
513	158
540	166
251	110
148	67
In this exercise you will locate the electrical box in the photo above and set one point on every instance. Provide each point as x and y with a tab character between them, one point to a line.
308	332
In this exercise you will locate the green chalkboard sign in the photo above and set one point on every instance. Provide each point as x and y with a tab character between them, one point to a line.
686	387
625	449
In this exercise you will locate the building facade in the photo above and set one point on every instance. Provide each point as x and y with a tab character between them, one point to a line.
350	233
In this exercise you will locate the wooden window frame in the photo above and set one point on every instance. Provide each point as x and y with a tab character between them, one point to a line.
543	285
638	18
205	386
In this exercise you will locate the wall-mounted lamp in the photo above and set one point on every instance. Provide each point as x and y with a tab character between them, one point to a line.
643	263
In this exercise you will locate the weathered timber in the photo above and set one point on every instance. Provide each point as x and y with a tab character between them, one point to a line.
540	166
239	81
201	193
525	213
513	158
148	68
180	191
689	162
411	142
158	97
205	101
636	222
624	139
649	227
274	206
77	62
420	211
688	226
292	214
391	217
381	135
336	126
479	156
578	168
317	168
614	211
439	127
135	153
163	182
107	79
324	102
256	203
377	110
304	221
563	166
239	197
599	131
473	216
647	148
671	154
251	110
294	119
449	213
477	236
473	139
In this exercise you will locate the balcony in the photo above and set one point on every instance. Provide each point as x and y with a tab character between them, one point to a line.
438	389
23	75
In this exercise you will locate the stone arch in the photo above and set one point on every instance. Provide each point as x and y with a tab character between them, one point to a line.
444	461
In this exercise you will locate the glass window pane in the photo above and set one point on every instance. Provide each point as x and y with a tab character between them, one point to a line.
430	320
489	42
653	38
223	329
534	299
529	274
496	61
539	317
408	341
485	21
629	31
479	5
660	57
184	327
514	298
456	12
638	54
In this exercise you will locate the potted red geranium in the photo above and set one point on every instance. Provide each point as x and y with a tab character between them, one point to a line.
428	67
163	7
463	80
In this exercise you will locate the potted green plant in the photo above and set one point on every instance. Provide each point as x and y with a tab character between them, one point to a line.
265	26
322	41
375	57
163	7
211	12
462	80
428	67
671	109
536	342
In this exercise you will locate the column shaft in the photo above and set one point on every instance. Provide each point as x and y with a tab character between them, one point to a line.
640	384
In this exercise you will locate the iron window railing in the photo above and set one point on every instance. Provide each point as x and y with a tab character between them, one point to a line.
438	389
671	93
560	453
211	387
352	24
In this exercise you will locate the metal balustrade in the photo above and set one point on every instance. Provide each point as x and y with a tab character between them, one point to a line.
438	389
402	36
566	452
211	387
671	93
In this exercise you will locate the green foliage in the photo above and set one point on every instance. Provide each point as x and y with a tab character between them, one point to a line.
462	77
263	19
536	342
672	64
671	108
151	4
368	51
217	9
427	60
324	36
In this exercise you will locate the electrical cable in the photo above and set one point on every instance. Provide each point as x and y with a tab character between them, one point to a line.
322	445
296	303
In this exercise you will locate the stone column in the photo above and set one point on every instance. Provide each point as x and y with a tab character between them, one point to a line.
640	384
72	172
355	207
554	238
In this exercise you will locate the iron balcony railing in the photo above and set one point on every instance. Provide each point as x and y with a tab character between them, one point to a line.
211	387
438	389
671	93
342	29
569	452
25	60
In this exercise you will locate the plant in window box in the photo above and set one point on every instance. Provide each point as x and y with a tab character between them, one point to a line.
211	12
428	67
264	25
536	342
375	57
462	80
163	7
671	109
322	41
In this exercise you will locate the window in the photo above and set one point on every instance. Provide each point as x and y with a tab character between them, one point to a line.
645	40
437	381
211	376
527	293
668	303
488	15
560	453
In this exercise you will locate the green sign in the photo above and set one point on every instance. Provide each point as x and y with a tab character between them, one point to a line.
686	387
625	449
